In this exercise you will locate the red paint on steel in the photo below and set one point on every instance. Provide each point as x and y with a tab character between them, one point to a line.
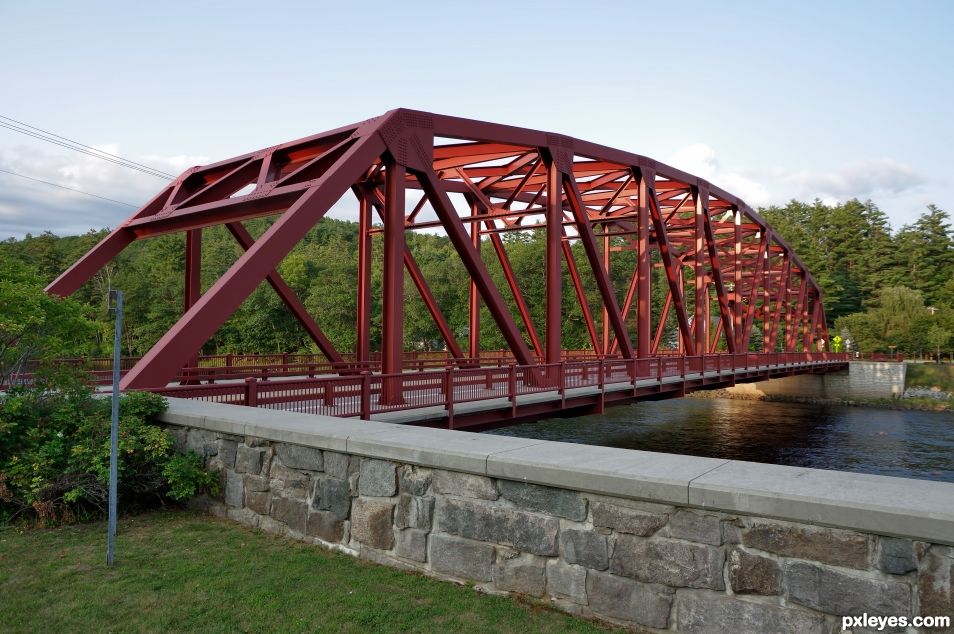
288	296
553	269
513	180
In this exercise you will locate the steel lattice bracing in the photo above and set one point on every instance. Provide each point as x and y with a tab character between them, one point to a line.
726	272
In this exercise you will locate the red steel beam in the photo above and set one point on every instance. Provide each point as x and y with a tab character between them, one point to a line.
756	283
430	302
473	299
514	286
553	269
193	267
643	272
737	281
192	289
627	305
616	190
673	275
780	299
109	247
602	278
607	261
581	295
700	325
288	296
725	313
160	364
392	305
474	265
432	307
363	325
477	198
661	326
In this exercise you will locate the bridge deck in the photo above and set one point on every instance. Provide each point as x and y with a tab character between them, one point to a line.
493	396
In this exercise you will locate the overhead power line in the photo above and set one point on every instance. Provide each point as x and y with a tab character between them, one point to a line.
56	139
72	189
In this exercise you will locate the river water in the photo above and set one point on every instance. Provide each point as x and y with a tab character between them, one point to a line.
887	442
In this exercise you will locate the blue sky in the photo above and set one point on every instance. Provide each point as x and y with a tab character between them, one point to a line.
770	100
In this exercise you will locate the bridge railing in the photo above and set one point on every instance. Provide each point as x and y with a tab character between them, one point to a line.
364	393
238	367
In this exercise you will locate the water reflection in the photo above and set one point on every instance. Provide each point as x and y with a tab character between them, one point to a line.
887	442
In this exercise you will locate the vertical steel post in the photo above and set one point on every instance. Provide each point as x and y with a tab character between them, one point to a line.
737	281
364	283
474	299
554	266
606	265
512	389
193	267
700	323
766	305
251	392
602	382
366	395
193	283
117	296
449	395
643	303
683	340
705	344
392	337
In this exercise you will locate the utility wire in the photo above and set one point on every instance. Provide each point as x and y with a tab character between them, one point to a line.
81	150
49	137
79	191
33	127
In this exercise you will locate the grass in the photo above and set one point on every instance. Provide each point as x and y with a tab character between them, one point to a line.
182	571
930	375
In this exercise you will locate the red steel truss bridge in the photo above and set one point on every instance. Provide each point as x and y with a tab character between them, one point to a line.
726	273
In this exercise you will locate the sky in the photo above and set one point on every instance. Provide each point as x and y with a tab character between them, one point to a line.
769	100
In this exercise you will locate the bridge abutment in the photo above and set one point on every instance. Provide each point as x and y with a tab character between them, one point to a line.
863	380
646	540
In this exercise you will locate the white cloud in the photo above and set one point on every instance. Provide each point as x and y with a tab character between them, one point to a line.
888	182
862	179
30	207
700	160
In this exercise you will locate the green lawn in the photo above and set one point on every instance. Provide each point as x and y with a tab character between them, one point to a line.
182	571
930	375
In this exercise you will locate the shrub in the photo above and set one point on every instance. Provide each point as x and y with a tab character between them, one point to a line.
54	454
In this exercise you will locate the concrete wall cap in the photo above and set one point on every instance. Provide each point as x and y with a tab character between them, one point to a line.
916	509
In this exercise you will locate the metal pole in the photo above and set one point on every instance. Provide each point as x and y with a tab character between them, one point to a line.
117	297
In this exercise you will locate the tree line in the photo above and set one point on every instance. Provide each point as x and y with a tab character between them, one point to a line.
885	290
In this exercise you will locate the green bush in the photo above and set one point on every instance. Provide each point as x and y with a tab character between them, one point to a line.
54	454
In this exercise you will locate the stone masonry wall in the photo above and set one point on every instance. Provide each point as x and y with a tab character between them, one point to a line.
642	565
864	380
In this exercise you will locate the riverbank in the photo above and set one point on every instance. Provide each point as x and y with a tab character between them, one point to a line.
917	403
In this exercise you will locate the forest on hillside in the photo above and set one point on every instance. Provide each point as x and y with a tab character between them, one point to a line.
884	289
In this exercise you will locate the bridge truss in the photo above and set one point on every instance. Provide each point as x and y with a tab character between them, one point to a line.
726	271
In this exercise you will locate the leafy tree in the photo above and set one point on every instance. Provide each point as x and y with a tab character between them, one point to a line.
849	247
897	320
938	338
928	248
35	327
